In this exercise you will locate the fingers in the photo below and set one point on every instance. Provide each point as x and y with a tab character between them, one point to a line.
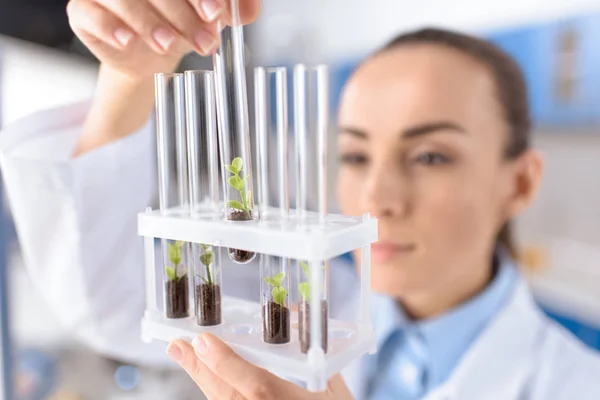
88	19
144	20
164	25
203	36
212	386
209	10
251	382
222	374
249	10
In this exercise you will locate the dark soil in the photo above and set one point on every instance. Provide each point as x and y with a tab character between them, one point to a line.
208	304
239	215
276	323
240	256
304	325
177	298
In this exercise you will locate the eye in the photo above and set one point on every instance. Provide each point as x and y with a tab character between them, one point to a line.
431	158
354	159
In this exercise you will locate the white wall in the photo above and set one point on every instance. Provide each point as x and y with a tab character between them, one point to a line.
330	30
568	205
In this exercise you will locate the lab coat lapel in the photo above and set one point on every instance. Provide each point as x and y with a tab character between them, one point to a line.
499	363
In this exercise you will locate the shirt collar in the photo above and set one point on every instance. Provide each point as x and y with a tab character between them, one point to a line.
448	336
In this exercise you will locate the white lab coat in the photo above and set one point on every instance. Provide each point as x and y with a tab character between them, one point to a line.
521	355
76	222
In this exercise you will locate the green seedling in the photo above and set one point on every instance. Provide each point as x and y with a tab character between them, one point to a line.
207	258
304	287
238	183
278	292
173	273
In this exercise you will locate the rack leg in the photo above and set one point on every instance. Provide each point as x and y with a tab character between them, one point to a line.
151	304
365	285
316	384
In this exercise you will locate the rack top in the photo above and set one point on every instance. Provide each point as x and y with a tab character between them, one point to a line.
304	239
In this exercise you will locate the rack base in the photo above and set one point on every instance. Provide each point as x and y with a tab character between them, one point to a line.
241	330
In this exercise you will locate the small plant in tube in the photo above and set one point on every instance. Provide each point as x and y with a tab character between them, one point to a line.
238	183
207	258
175	273
304	320
304	287
278	292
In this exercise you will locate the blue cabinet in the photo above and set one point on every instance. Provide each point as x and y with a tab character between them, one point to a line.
561	63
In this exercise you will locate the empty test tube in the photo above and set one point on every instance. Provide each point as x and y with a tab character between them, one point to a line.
173	193
232	115
204	191
272	139
311	120
311	113
272	134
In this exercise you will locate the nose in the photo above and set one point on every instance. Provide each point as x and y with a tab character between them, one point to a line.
385	193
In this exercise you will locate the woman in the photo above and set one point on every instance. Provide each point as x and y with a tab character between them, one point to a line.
434	142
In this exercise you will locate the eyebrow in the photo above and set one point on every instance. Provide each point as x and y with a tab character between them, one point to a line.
418	130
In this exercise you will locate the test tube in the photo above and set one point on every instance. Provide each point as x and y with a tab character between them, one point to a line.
272	133
311	116
204	191
232	113
170	131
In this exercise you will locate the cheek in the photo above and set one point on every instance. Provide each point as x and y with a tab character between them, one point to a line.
348	190
456	213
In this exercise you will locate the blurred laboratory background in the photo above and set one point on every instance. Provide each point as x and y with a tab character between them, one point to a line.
556	42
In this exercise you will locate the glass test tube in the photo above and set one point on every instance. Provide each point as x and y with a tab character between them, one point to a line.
204	191
234	137
273	129
311	117
170	131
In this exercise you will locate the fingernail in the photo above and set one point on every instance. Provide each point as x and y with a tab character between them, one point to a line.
205	41
199	345
211	9
163	37
175	353
123	36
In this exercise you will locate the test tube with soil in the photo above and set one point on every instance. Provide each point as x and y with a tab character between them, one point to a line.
203	189
208	284
311	111
272	133
276	323
233	122
173	187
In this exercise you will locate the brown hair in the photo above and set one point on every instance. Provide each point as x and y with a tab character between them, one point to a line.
510	86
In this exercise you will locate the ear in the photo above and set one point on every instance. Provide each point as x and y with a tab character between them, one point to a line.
526	173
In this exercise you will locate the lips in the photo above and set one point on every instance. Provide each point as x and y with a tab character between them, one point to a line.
385	251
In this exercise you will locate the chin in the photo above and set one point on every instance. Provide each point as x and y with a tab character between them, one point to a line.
389	280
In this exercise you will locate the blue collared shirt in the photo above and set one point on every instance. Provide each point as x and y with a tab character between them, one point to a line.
413	358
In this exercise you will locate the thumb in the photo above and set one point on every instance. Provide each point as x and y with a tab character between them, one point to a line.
336	388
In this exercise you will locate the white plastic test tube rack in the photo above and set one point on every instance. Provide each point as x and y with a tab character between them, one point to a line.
241	326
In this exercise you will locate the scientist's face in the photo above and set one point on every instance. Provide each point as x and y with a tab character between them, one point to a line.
421	144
